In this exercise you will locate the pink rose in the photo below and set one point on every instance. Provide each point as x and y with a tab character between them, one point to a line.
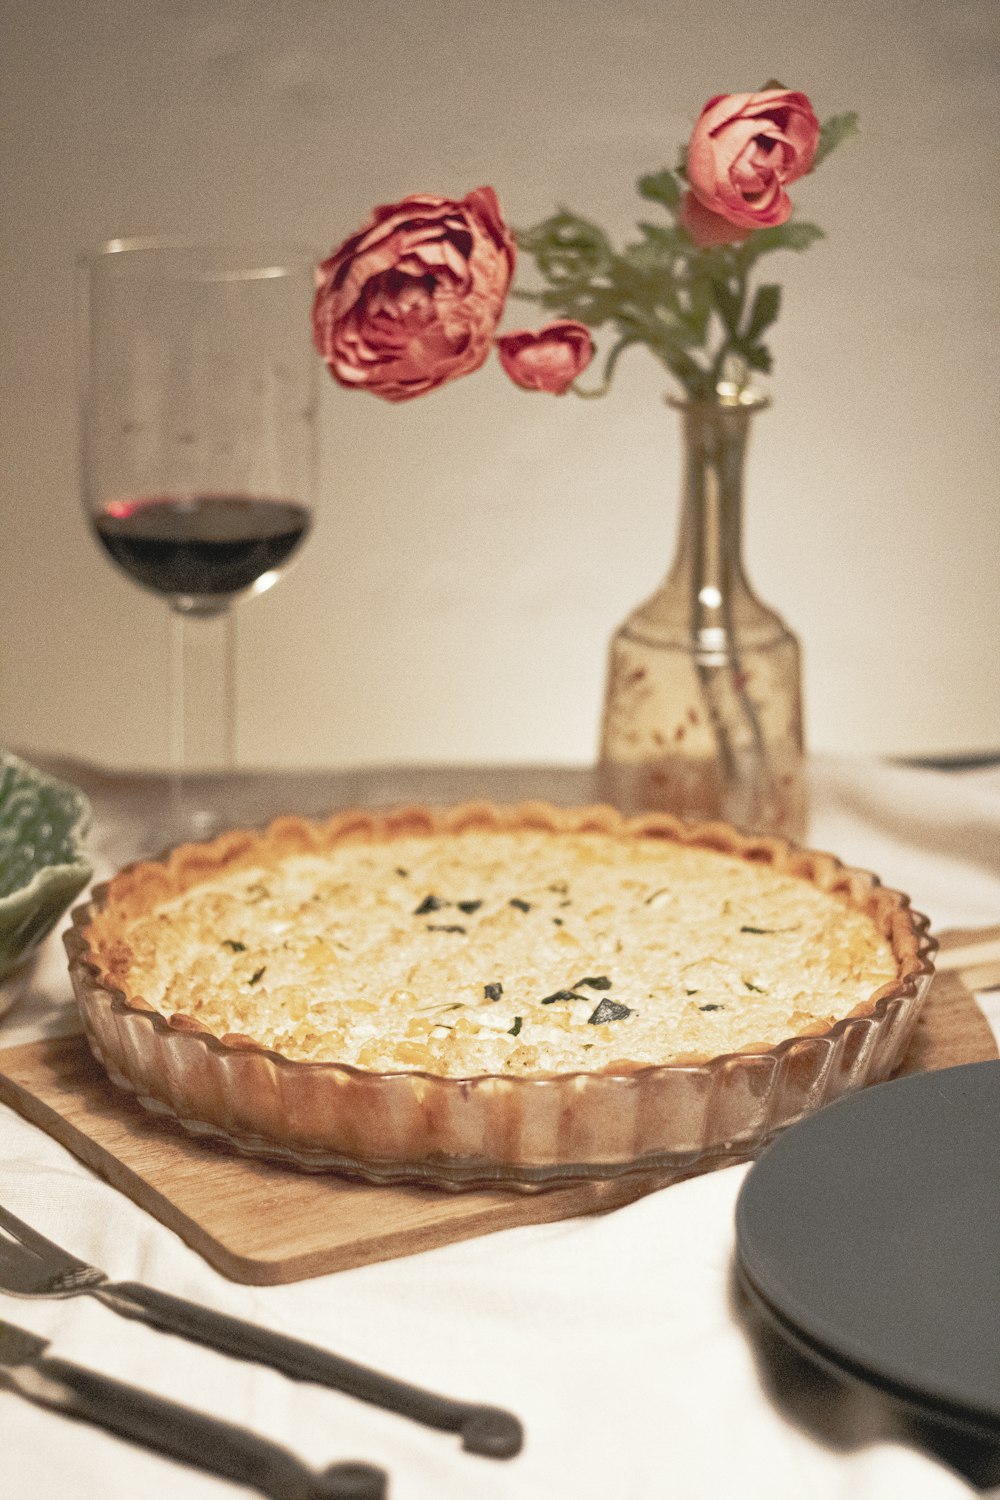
745	148
413	299
546	359
707	228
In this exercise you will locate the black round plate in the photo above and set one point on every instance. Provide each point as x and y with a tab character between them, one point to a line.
870	1233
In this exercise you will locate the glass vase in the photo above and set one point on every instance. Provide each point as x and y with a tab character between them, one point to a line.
703	705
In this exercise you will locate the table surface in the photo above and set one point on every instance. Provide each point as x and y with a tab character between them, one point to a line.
618	1339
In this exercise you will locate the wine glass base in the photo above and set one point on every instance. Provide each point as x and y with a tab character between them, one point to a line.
157	813
203	824
198	808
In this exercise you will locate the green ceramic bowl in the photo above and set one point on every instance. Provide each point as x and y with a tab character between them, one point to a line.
43	863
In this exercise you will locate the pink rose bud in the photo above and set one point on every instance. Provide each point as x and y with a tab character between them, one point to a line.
546	359
414	298
745	148
707	228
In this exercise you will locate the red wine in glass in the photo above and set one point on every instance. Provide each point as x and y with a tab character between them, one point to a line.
206	547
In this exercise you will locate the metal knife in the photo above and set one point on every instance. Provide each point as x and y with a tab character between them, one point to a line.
178	1431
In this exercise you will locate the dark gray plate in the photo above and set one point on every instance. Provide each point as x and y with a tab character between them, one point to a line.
870	1234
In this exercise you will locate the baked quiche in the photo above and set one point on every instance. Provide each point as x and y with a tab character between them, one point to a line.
490	993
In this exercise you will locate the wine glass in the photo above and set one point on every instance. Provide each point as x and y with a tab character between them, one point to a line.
198	448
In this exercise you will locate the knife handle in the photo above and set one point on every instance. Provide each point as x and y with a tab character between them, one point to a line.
486	1430
203	1442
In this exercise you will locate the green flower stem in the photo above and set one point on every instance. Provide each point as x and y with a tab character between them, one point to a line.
726	348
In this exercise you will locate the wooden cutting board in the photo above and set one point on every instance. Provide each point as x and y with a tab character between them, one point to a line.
264	1223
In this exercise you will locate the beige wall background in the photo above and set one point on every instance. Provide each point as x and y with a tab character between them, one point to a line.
474	549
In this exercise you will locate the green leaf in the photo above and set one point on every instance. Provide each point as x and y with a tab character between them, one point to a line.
772	83
695	380
832	131
756	356
763	311
727	304
590	305
661	187
647	255
675	240
696	307
660	249
794	234
643	286
567	247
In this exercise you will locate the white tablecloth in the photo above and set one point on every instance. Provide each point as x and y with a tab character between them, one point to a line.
615	1339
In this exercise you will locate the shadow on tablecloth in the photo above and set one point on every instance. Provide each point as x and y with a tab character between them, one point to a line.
845	1415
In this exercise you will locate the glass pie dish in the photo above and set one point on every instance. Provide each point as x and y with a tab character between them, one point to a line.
524	1130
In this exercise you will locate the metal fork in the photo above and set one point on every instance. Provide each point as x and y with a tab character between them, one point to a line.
32	1266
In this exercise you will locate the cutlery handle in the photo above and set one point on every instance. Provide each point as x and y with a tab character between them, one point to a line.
484	1429
181	1433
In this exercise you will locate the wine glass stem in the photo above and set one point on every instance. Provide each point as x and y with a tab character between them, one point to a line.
202	710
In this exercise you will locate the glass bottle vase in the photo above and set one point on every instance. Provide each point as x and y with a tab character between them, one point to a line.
703	706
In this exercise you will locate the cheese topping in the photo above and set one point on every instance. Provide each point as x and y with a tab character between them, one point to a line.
507	952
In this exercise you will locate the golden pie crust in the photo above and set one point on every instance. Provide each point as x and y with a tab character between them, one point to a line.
485	994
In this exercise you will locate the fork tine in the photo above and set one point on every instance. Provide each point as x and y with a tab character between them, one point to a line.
28	1237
